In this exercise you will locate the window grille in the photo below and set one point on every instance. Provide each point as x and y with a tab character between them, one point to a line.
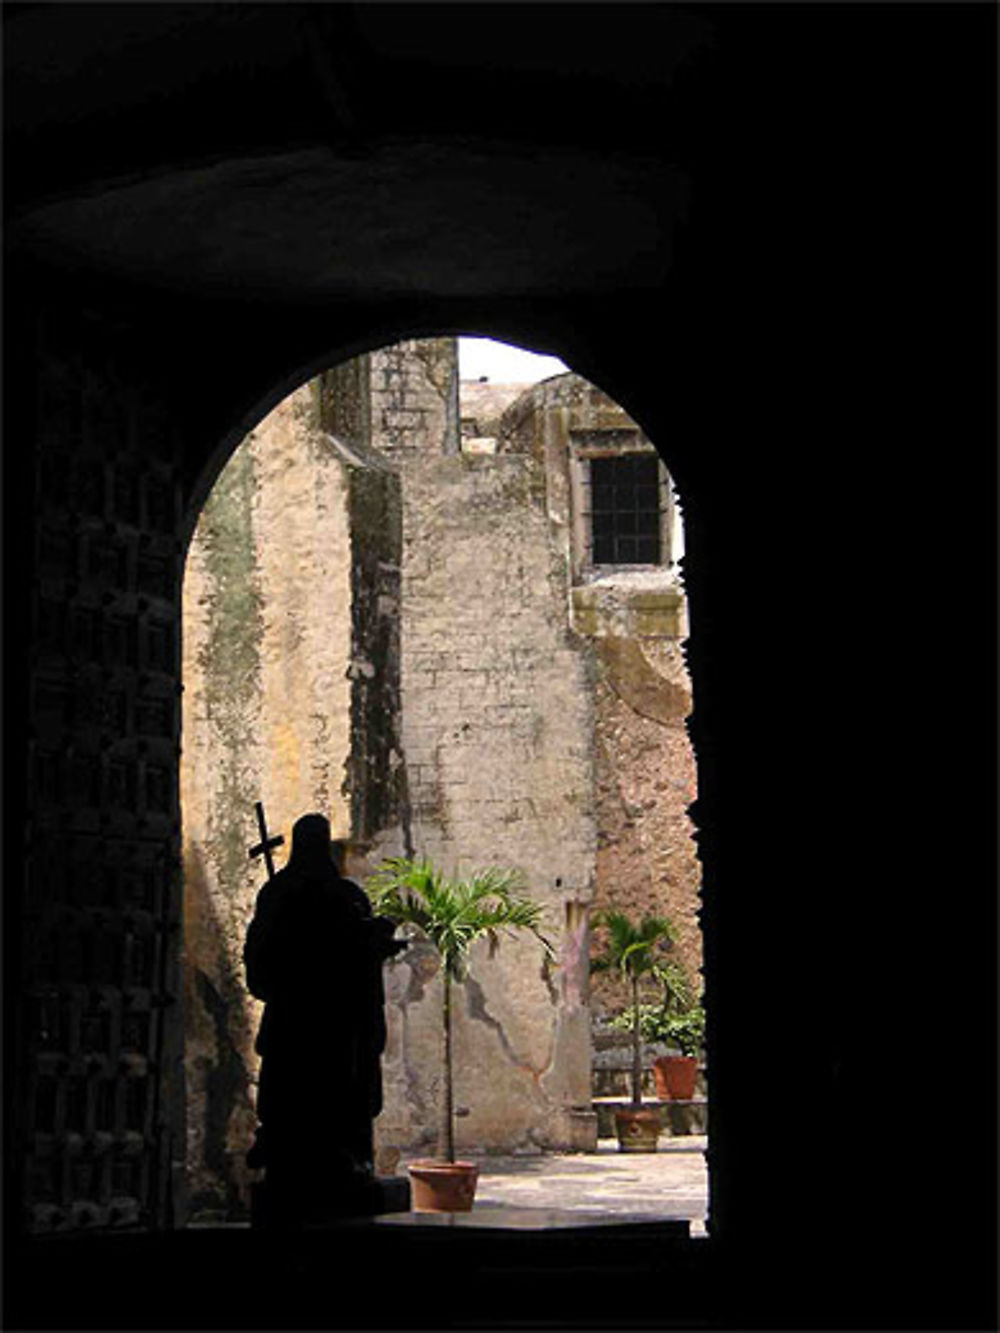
625	508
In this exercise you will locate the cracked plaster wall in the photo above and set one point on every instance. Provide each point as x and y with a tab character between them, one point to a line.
497	738
267	625
497	729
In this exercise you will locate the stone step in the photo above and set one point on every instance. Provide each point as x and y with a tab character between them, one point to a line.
369	1198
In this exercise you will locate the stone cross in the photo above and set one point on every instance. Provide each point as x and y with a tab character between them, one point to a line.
265	845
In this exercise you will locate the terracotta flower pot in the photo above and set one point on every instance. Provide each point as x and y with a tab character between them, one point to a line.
638	1129
443	1187
675	1077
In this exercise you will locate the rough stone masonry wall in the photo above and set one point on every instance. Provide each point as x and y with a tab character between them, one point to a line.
413	389
267	617
497	738
645	770
497	728
646	779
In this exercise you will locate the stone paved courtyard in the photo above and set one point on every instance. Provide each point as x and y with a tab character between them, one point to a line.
672	1182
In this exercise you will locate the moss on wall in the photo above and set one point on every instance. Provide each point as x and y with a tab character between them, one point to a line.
291	668
343	403
375	774
224	694
230	659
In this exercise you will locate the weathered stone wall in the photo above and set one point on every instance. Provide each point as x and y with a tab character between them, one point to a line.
414	397
497	744
482	404
644	764
497	734
343	402
223	629
554	407
645	770
284	666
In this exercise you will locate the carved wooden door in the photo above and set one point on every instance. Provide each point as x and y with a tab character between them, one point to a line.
100	1023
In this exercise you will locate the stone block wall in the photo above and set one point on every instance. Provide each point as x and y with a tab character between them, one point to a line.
496	708
636	619
482	405
289	652
497	735
413	387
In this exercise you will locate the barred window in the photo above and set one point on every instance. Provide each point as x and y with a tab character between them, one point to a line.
625	507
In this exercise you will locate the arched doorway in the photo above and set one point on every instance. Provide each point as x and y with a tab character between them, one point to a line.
436	615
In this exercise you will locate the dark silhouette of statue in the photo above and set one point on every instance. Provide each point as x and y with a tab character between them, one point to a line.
314	954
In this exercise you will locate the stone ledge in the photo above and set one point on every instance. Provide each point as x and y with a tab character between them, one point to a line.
601	610
677	1118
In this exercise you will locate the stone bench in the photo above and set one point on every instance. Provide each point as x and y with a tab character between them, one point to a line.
611	1067
676	1117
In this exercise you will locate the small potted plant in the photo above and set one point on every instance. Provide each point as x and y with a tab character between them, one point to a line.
633	950
679	1020
676	1074
452	914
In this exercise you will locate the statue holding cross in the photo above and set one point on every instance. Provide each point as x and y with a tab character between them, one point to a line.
314	954
266	844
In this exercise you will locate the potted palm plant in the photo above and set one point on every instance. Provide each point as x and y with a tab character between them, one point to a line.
452	913
634	950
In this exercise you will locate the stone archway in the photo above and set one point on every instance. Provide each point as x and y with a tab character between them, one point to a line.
395	618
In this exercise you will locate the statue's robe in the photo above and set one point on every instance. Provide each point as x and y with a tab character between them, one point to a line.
314	955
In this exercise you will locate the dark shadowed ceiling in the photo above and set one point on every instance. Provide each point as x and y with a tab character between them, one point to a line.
256	151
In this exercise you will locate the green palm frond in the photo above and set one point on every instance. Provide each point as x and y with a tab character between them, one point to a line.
678	992
632	947
634	950
453	913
